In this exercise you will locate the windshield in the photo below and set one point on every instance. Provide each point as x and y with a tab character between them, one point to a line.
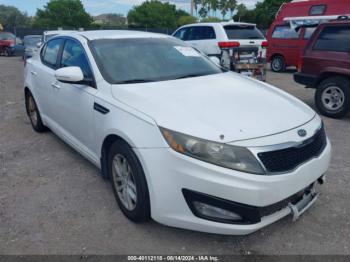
7	36
31	40
243	32
149	59
48	37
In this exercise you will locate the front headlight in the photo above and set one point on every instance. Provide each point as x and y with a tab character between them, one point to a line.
233	157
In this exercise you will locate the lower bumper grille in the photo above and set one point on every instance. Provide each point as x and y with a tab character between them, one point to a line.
268	210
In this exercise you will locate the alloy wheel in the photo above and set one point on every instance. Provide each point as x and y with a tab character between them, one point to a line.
124	182
32	111
277	64
333	98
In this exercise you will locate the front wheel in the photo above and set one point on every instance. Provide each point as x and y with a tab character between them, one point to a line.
7	52
332	97
128	182
278	64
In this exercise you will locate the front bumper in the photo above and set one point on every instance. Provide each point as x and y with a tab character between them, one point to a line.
168	173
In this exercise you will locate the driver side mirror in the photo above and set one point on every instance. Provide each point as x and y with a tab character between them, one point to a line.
70	75
38	45
73	75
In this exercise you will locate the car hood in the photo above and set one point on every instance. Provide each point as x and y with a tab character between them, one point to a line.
223	107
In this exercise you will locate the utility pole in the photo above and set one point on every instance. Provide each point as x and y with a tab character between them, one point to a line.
192	7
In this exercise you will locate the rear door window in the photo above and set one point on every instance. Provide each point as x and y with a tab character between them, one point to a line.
334	38
193	33
285	32
207	32
243	32
50	52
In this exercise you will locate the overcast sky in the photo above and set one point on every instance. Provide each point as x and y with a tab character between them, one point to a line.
96	7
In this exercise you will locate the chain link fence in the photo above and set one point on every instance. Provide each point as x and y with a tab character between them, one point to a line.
21	32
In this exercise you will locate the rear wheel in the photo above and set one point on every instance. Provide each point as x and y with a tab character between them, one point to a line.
278	64
34	114
332	97
128	182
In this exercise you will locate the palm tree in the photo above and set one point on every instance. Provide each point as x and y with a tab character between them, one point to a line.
196	4
203	12
231	5
214	6
223	7
207	5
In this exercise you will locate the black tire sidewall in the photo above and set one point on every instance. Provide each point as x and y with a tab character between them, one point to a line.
39	126
141	212
343	84
283	64
7	52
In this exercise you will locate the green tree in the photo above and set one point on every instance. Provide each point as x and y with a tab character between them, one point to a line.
263	14
110	20
196	4
11	18
154	14
185	20
223	6
242	13
203	12
63	13
231	6
214	6
211	19
266	10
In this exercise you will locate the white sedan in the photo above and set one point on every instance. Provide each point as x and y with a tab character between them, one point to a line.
182	141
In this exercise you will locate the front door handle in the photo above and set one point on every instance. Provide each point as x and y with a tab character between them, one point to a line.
33	73
55	85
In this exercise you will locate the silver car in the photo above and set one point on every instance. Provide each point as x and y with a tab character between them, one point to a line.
30	45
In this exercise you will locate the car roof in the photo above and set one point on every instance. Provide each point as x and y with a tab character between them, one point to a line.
339	21
220	23
55	32
27	36
114	34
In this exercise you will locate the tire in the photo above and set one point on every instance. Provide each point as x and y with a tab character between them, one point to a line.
7	52
332	97
278	64
34	114
128	182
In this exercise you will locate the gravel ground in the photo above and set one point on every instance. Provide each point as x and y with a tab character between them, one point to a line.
53	201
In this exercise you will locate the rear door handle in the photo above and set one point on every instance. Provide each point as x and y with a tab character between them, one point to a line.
33	73
55	85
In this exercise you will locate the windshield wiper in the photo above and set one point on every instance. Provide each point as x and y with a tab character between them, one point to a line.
134	81
190	75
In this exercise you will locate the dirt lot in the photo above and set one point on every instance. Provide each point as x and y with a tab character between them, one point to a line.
53	201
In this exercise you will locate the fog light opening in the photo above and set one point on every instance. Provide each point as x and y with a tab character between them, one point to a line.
214	212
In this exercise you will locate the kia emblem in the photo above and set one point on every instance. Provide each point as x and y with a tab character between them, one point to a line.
302	132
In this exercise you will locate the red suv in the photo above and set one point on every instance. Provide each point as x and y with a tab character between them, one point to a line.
285	44
7	43
325	65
